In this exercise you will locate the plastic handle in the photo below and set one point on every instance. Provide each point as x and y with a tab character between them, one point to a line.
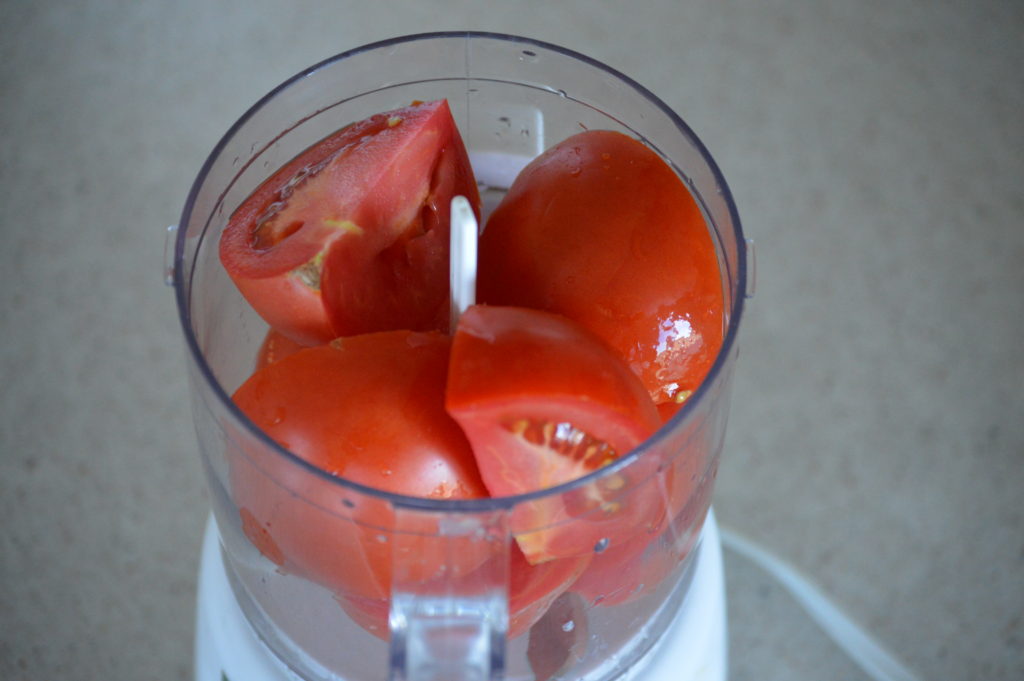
449	596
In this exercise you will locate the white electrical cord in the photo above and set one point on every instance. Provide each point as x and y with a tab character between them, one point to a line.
859	645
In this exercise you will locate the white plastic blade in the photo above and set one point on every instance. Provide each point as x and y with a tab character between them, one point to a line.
462	268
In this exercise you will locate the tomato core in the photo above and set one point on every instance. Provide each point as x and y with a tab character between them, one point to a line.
564	440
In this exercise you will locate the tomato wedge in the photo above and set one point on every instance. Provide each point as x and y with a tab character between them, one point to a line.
626	572
274	348
533	588
637	567
543	402
351	236
599	228
368	408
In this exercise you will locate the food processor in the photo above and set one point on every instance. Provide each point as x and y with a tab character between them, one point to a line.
304	575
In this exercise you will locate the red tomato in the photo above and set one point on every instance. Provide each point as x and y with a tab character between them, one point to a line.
559	640
632	570
543	402
369	613
276	347
599	228
638	567
370	409
352	235
533	588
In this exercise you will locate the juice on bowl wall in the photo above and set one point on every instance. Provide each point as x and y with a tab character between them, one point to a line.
433	497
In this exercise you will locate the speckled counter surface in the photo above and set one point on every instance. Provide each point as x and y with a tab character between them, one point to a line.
875	150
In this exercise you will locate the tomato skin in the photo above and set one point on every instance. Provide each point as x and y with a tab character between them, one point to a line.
351	236
599	228
513	366
370	409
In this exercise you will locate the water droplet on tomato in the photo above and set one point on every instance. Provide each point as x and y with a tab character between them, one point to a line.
601	545
568	626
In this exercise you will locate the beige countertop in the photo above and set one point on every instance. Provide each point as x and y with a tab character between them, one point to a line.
875	151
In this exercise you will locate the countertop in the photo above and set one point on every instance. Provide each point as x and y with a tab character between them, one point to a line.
876	441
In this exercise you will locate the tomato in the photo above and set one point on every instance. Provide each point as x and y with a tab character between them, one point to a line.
370	409
369	613
533	588
543	402
274	348
638	567
560	639
599	228
624	573
351	236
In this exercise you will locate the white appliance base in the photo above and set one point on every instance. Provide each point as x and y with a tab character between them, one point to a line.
694	648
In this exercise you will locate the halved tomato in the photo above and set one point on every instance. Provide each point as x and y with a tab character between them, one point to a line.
543	401
351	236
599	228
369	409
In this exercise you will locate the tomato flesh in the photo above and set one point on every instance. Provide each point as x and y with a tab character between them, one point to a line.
543	402
369	409
599	228
274	348
351	236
